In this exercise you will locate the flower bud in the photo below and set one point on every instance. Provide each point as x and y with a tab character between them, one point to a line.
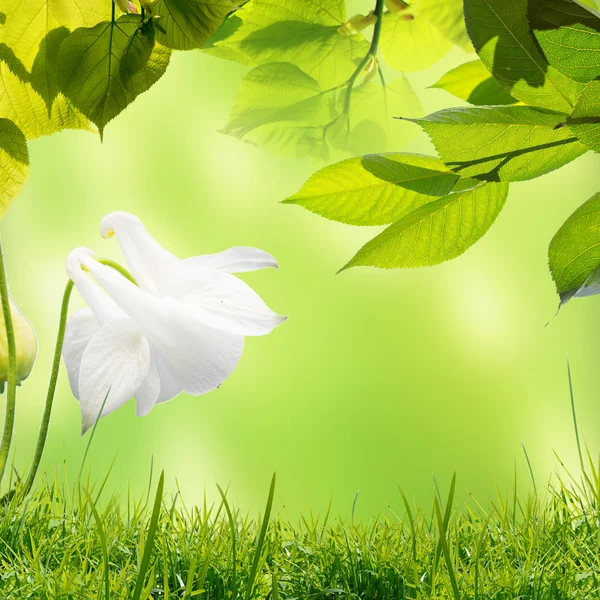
357	23
25	343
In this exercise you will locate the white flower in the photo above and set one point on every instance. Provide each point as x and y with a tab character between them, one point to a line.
182	329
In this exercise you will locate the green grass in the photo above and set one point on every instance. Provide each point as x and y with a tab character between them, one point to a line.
75	542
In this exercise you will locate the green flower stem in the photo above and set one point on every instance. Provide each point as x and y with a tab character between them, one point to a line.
60	338
11	394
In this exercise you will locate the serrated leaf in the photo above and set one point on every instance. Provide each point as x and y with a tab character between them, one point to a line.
90	61
447	17
369	125
28	23
20	103
374	189
500	35
302	33
411	44
189	24
280	108
584	121
14	163
503	143
473	83
435	232
569	35
574	253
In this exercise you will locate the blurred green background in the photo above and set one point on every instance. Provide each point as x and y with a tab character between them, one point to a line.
378	378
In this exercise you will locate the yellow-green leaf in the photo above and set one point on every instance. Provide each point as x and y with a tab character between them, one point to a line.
14	163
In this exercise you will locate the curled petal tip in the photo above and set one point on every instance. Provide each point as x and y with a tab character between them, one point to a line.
74	263
112	220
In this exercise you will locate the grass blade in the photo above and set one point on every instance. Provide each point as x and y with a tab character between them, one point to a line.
102	542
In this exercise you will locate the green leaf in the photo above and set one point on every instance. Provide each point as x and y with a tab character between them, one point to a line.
14	163
569	35
137	52
435	232
376	189
29	23
280	108
501	37
411	44
229	26
90	60
504	143
446	16
369	125
302	33
584	121
574	253
473	83
189	23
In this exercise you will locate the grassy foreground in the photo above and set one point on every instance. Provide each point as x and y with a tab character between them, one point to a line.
75	543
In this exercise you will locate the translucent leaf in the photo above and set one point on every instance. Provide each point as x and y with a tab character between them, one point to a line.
584	121
574	253
14	163
569	35
302	33
375	189
500	35
473	83
446	16
189	23
90	61
411	44
280	108
369	125
504	143
436	232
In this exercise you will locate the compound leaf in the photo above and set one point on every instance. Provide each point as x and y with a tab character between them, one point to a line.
436	232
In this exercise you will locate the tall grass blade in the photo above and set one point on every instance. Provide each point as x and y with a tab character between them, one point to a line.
233	544
103	543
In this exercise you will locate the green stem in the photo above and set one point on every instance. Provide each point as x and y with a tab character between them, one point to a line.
60	338
11	394
39	449
371	54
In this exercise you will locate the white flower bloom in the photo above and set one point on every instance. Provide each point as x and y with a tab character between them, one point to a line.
182	329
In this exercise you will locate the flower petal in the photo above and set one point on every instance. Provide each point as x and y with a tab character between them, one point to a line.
169	385
149	263
240	259
113	366
81	327
103	306
230	304
199	356
148	392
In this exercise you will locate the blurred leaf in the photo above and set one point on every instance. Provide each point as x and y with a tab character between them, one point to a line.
14	163
435	232
370	126
584	121
569	35
229	26
20	103
473	83
500	33
137	52
374	189
189	23
90	61
280	108
302	33
504	143
574	253
410	43
447	17
28	23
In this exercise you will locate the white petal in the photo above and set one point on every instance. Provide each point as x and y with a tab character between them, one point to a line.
199	356
169	385
149	263
115	362
148	392
239	259
104	308
230	304
81	327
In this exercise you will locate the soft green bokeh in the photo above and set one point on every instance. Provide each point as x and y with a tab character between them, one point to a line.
377	378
